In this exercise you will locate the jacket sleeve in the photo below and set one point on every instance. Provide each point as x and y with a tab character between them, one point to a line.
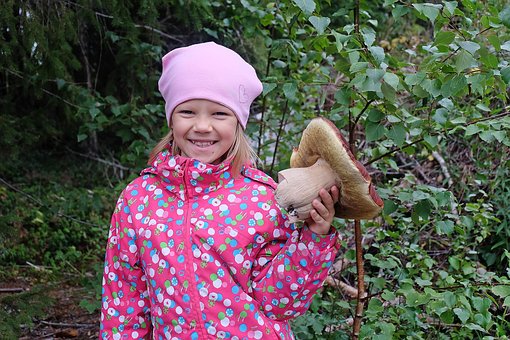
124	304
290	268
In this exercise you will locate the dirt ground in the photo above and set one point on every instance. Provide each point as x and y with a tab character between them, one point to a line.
63	319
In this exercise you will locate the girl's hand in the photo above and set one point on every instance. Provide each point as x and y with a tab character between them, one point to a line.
324	211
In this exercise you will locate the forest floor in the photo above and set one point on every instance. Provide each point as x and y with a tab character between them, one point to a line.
46	310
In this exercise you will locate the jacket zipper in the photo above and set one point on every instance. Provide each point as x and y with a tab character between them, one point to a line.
189	274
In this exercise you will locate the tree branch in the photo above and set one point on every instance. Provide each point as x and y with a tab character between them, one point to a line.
278	136
398	148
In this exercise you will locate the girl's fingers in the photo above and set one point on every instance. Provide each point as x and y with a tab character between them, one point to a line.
320	208
335	194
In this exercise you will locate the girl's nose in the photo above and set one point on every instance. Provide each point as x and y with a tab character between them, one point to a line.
202	123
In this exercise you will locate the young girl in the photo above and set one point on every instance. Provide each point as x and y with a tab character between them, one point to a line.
198	248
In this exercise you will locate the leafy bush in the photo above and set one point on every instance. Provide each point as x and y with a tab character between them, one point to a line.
419	88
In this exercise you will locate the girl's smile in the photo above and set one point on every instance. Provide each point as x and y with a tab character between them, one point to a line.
204	130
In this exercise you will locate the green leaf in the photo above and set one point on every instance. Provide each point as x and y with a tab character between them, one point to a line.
440	116
450	299
472	130
462	313
354	57
307	6
447	103
454	85
399	10
290	90
94	111
279	63
483	107
319	23
143	131
397	133
432	86
475	327
374	131
494	40
505	75
422	283
504	16
60	83
358	66
212	33
450	6
464	60
488	59
375	74
414	78
432	141
391	79
81	137
487	136
339	40
343	96
444	38
447	317
388	295
431	11
116	110
368	35
377	53
501	291
389	207
373	80
268	87
419	195
469	46
454	262
445	227
389	93
414	298
375	115
375	306
422	209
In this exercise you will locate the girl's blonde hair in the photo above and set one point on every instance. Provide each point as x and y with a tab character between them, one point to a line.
241	152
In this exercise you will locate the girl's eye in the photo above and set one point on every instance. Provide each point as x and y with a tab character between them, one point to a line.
186	112
220	113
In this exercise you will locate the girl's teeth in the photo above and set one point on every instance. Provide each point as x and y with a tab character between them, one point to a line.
202	144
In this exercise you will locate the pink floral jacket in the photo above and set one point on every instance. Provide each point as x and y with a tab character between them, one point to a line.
194	253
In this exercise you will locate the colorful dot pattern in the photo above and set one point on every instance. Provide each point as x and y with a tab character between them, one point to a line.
194	253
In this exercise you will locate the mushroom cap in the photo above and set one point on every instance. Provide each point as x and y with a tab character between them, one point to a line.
358	198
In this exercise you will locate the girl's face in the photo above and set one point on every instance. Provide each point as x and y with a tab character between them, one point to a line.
203	130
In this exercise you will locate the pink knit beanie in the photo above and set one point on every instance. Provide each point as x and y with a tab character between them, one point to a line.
209	71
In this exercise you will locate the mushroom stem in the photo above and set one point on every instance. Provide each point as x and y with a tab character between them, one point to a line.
298	187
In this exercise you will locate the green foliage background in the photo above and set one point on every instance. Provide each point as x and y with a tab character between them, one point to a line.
421	90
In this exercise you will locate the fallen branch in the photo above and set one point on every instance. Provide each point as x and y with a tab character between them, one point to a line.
12	290
333	328
443	166
36	267
114	164
342	264
74	325
348	290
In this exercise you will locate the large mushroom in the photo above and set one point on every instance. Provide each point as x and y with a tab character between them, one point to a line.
323	159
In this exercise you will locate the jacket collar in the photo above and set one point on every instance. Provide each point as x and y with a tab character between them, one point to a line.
197	177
